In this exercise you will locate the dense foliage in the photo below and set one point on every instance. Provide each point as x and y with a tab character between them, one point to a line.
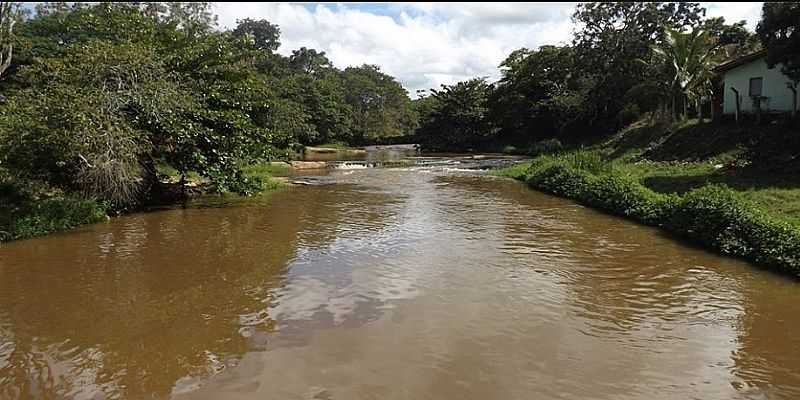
778	31
626	59
99	94
458	118
99	97
712	215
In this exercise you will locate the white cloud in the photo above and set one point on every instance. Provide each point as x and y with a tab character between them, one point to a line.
735	12
427	44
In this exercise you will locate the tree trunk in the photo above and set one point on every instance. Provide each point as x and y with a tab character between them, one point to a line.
674	110
713	111
699	110
685	107
736	93
8	17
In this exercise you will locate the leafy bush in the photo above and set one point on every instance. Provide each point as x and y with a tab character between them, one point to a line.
52	215
626	197
548	146
560	179
712	215
708	214
586	160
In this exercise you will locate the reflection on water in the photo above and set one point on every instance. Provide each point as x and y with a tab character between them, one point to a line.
392	283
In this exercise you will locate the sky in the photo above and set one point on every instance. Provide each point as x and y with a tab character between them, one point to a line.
425	45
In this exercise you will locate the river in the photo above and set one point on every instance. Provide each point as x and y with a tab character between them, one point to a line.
426	282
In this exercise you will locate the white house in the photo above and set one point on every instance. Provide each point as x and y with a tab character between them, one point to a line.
756	85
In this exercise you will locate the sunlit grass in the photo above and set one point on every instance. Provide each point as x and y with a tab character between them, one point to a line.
336	145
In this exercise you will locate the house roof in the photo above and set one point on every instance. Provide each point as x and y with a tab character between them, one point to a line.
727	66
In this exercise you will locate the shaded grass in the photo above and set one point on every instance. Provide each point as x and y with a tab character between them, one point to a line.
736	190
27	212
37	218
713	215
336	145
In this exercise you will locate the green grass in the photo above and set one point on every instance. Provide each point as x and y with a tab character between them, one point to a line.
267	169
725	187
47	216
517	171
264	172
336	145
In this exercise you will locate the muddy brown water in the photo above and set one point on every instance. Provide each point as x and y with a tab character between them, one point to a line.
404	283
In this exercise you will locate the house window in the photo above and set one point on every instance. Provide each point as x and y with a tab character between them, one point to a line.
755	86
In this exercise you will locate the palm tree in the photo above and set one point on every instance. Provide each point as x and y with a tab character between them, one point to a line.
689	56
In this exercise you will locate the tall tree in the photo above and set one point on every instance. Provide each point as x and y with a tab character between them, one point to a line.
194	18
261	35
690	57
524	101
9	16
309	61
612	37
460	118
381	107
778	31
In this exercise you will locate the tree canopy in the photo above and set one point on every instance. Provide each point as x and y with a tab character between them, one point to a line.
778	32
100	94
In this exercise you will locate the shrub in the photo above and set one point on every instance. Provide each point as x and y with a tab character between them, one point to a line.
708	214
53	215
626	197
561	180
712	215
548	146
586	160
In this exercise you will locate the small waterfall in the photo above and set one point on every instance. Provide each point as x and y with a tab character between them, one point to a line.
353	165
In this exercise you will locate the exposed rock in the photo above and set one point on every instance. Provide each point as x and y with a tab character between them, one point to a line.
280	164
309	165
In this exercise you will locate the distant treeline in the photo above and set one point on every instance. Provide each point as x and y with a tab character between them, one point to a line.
96	96
626	60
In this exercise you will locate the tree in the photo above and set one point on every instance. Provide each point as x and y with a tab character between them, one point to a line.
612	38
9	15
778	31
261	34
689	56
194	18
309	61
734	40
533	82
83	123
381	107
460	118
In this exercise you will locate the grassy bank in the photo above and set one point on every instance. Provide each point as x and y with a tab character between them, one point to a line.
730	195
23	220
336	145
27	213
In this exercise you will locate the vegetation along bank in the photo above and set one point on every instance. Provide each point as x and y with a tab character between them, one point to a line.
698	181
110	107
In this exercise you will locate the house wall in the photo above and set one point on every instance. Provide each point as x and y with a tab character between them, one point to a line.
779	97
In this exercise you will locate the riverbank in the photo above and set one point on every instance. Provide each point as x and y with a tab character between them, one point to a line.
28	213
733	190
